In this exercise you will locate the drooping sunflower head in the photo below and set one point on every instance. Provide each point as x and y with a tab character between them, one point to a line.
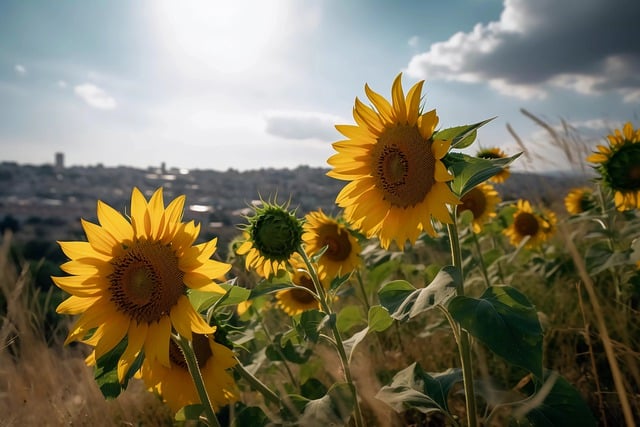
296	300
274	235
342	248
397	180
579	200
537	226
481	201
495	153
131	278
619	166
174	383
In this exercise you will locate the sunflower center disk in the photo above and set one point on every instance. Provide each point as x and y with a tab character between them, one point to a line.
338	244
201	349
526	224
404	166
475	202
146	281
303	297
624	168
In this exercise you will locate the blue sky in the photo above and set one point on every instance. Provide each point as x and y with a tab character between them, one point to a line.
253	84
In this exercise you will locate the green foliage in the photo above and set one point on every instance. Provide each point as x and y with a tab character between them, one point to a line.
334	408
469	171
106	371
506	322
461	136
554	403
413	388
405	302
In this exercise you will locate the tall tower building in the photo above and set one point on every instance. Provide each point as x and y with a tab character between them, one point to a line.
59	163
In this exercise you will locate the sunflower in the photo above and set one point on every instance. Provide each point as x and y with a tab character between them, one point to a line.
619	166
495	153
397	180
131	278
481	201
579	200
537	226
342	254
296	300
271	238
175	384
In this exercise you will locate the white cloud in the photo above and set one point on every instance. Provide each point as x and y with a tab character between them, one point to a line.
95	97
20	69
62	84
302	125
586	46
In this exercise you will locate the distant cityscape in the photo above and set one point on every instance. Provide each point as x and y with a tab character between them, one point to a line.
46	202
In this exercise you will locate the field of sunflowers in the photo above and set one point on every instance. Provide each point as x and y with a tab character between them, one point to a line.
429	300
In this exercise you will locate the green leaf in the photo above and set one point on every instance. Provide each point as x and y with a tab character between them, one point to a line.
556	403
600	257
461	136
349	317
202	301
334	408
250	416
268	287
404	303
413	388
277	351
378	321
310	324
469	171
313	389
393	294
506	322
379	318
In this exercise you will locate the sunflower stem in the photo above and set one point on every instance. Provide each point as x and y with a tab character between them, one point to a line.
278	349
257	385
359	422
194	370
464	344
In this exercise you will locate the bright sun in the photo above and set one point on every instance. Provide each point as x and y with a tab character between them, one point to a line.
222	36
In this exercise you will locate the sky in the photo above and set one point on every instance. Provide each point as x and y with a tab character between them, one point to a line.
203	84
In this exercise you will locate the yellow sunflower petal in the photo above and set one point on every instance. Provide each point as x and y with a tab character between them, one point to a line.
399	102
382	105
136	337
139	215
76	305
112	333
81	250
413	103
114	223
81	286
156	344
101	240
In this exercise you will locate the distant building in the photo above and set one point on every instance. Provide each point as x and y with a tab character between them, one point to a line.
59	163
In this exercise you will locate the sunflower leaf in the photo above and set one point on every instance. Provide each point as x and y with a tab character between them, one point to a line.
310	325
552	402
269	287
506	322
334	408
469	171
461	136
189	412
405	302
413	388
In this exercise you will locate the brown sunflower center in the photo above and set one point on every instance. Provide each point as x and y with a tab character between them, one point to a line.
337	242
474	201
404	166
526	224
146	281
299	295
624	168
201	348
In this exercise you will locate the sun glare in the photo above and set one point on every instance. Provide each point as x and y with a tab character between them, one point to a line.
221	36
